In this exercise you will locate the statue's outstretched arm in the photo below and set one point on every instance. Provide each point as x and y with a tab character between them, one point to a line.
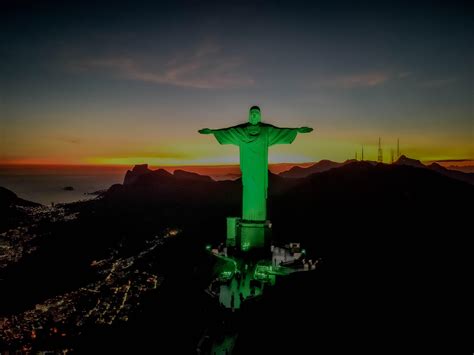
210	131
297	129
206	131
285	135
304	129
230	135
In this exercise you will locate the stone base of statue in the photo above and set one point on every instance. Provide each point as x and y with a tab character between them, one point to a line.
244	235
254	234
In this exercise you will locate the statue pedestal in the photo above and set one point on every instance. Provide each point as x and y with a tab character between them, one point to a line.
253	234
247	235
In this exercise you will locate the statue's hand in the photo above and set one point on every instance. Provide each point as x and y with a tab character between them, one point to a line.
205	131
304	129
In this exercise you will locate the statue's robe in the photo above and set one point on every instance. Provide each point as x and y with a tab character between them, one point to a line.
253	141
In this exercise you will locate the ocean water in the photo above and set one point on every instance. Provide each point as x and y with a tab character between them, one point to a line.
46	184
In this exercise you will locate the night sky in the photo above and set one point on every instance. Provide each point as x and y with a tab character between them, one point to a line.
118	83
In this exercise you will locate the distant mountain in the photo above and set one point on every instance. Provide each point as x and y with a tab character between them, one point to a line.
455	174
319	167
9	199
9	202
159	187
132	175
140	170
357	179
369	198
437	167
462	168
226	177
325	165
404	160
298	172
186	175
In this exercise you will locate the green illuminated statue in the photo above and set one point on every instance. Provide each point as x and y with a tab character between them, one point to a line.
253	139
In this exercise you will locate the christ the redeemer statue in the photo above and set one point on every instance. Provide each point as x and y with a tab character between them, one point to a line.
253	139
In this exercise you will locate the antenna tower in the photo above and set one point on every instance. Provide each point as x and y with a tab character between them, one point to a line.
380	153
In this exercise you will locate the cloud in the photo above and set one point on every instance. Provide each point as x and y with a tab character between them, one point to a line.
405	74
369	79
452	160
437	83
158	153
156	157
377	78
206	68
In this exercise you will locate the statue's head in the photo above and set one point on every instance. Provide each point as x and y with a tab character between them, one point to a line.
254	115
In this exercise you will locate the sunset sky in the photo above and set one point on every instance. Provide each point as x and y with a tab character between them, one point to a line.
118	83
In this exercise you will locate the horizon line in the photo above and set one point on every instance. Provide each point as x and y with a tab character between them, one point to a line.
77	165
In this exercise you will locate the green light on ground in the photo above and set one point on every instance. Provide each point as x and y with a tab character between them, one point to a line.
262	272
226	275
